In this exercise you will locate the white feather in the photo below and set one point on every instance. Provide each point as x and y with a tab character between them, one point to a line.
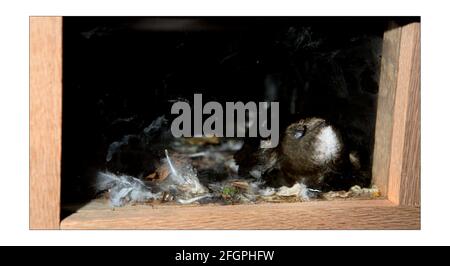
328	145
124	189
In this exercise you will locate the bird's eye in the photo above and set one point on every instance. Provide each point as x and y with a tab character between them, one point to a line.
299	133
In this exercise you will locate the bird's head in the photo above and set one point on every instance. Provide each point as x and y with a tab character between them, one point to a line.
305	129
313	137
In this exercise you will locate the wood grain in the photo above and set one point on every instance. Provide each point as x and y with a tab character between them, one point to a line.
404	176
45	121
410	184
396	164
350	214
385	107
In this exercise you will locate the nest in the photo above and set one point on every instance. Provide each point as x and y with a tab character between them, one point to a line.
203	171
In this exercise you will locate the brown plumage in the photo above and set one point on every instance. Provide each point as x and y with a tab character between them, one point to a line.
310	149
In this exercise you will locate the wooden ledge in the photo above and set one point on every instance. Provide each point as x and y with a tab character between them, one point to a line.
347	214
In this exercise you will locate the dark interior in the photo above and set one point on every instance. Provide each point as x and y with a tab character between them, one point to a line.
121	73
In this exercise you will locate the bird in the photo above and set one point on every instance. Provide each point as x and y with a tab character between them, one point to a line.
311	150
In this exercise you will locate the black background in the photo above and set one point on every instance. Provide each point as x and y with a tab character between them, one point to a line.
119	68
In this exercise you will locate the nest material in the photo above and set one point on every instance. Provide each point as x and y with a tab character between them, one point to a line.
203	170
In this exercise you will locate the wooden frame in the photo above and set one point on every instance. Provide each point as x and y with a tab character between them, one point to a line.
45	121
396	165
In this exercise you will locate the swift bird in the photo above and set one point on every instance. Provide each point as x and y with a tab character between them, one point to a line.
310	151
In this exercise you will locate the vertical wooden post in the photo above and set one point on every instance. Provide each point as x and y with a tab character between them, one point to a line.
396	165
45	121
385	107
404	178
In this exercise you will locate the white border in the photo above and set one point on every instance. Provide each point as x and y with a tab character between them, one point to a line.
14	122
